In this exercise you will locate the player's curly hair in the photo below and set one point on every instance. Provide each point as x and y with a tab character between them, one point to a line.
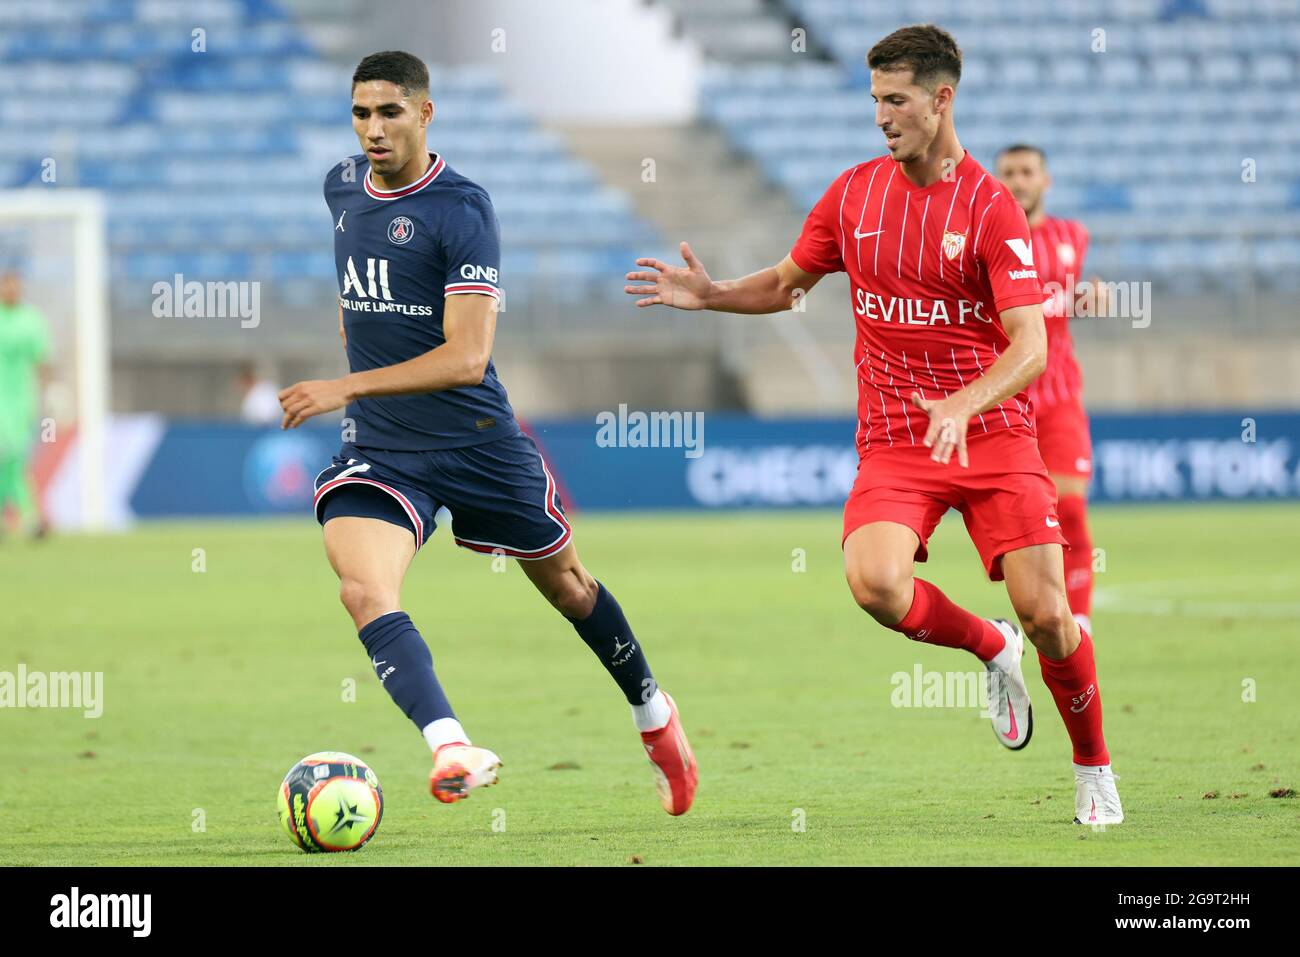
395	66
928	51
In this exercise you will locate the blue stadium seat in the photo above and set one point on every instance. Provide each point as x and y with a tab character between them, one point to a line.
1134	131
211	171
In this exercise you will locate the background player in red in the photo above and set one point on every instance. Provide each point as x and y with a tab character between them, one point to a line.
950	332
1060	246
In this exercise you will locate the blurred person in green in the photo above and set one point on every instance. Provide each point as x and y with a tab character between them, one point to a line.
24	352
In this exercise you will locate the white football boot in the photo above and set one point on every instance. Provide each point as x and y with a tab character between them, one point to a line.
1096	799
1008	698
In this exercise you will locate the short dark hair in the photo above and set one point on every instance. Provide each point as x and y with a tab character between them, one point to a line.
395	66
929	52
1022	148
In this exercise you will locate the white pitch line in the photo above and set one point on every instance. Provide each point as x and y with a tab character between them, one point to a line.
1198	586
1115	604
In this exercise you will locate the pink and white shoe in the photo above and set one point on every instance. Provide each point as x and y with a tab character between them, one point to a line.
1096	799
459	768
676	773
1008	698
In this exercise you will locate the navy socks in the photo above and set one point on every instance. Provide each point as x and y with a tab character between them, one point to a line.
405	668
608	634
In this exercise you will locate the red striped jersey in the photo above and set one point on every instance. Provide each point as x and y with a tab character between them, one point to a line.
930	270
1059	248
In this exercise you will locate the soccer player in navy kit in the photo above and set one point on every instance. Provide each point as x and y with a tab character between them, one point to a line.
428	424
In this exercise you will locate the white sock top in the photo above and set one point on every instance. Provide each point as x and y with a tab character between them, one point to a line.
1005	658
444	731
652	715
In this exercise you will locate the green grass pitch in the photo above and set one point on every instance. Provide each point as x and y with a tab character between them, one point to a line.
217	681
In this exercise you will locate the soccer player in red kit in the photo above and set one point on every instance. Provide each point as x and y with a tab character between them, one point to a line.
948	310
1060	246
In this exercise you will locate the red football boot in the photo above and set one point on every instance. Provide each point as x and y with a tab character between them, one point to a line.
676	773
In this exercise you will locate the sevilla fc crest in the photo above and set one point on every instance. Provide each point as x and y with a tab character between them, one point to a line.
953	243
400	230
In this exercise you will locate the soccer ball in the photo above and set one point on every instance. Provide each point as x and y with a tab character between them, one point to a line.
330	801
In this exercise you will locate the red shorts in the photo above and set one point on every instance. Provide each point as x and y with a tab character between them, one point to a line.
1064	439
1005	496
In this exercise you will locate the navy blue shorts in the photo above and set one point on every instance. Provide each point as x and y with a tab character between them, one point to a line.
501	495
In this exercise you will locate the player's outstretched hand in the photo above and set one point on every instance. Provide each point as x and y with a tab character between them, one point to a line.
1100	305
302	400
947	431
681	288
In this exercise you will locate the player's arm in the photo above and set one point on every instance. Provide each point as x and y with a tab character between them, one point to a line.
1093	300
468	325
342	332
1019	364
1004	248
1095	287
774	289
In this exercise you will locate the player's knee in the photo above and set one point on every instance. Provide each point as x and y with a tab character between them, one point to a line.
574	596
365	600
880	592
1047	624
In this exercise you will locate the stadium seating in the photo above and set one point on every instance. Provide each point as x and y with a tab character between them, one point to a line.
1142	135
213	159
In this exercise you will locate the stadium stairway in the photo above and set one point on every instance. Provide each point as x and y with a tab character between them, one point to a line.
740	31
692	185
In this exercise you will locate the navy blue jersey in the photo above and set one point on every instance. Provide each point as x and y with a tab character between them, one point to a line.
399	254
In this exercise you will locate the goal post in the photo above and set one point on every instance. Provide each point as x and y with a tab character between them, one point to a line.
58	240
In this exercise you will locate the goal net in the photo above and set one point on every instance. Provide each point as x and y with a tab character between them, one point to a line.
55	240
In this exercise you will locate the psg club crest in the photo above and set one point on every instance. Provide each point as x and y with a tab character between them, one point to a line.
953	243
278	470
400	230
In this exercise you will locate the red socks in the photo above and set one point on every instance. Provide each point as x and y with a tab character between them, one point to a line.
1073	680
1073	684
1072	510
934	619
